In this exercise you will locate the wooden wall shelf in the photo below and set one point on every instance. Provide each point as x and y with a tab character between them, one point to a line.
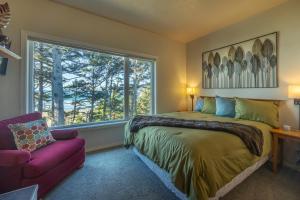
6	53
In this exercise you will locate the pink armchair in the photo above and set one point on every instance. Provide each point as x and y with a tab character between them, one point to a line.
46	166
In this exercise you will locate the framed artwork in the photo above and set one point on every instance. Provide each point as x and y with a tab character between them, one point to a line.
248	64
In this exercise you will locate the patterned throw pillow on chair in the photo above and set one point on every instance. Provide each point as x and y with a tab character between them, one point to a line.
31	135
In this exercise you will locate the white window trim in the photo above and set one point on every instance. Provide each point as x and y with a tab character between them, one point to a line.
26	74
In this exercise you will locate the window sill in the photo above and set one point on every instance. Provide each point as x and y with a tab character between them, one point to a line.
84	127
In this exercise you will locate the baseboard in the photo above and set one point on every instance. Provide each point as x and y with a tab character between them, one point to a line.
104	147
292	166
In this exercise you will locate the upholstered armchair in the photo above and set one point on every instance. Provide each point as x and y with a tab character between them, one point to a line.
46	166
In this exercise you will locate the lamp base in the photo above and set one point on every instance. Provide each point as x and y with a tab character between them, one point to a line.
297	102
192	97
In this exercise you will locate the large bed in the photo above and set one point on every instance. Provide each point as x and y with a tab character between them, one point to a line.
198	164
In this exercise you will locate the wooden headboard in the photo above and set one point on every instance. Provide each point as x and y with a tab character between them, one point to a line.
275	101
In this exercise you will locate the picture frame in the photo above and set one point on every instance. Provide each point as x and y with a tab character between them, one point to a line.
251	63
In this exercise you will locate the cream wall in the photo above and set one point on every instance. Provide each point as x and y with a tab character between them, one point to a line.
284	19
47	17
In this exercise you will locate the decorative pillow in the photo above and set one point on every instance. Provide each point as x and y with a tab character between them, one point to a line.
261	111
31	135
199	104
209	106
225	107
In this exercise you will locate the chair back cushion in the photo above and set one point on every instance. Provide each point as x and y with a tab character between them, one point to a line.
6	136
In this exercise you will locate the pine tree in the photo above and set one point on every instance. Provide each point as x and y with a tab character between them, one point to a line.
139	79
57	88
42	76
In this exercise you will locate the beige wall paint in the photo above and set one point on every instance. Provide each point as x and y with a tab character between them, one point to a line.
47	17
285	20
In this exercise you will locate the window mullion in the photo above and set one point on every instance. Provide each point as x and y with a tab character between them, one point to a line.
153	89
126	88
30	86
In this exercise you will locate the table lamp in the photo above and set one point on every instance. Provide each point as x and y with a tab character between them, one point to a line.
294	93
191	92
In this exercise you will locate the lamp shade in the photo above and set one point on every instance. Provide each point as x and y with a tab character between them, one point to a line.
294	92
190	90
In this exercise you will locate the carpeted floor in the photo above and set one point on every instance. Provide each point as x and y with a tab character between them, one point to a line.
117	174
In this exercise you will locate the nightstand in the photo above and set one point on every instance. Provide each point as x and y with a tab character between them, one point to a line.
278	136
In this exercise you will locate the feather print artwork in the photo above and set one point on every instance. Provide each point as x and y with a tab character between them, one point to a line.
248	64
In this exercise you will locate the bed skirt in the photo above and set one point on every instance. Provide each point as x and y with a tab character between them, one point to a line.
165	177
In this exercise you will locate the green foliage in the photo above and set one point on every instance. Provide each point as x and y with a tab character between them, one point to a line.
92	85
143	103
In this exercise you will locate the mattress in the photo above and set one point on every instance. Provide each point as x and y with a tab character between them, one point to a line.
165	177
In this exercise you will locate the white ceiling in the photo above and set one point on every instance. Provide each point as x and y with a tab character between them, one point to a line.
181	20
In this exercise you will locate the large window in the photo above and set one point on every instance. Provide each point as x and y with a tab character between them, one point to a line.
73	86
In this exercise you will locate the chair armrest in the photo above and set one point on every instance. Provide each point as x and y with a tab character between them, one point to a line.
64	134
10	158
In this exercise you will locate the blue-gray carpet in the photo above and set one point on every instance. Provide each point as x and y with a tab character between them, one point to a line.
117	174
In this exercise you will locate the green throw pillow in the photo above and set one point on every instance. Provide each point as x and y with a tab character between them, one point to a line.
209	106
261	111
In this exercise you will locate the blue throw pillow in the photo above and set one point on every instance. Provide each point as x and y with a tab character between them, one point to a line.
199	104
225	107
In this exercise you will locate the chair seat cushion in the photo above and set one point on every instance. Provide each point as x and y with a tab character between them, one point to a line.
46	158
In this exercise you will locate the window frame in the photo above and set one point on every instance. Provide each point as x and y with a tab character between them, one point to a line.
27	90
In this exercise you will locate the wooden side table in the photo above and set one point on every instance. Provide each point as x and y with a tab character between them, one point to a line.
278	136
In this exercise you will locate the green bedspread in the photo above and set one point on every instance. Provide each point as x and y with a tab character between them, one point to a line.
199	161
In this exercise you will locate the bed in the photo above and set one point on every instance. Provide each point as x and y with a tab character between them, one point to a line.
198	164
